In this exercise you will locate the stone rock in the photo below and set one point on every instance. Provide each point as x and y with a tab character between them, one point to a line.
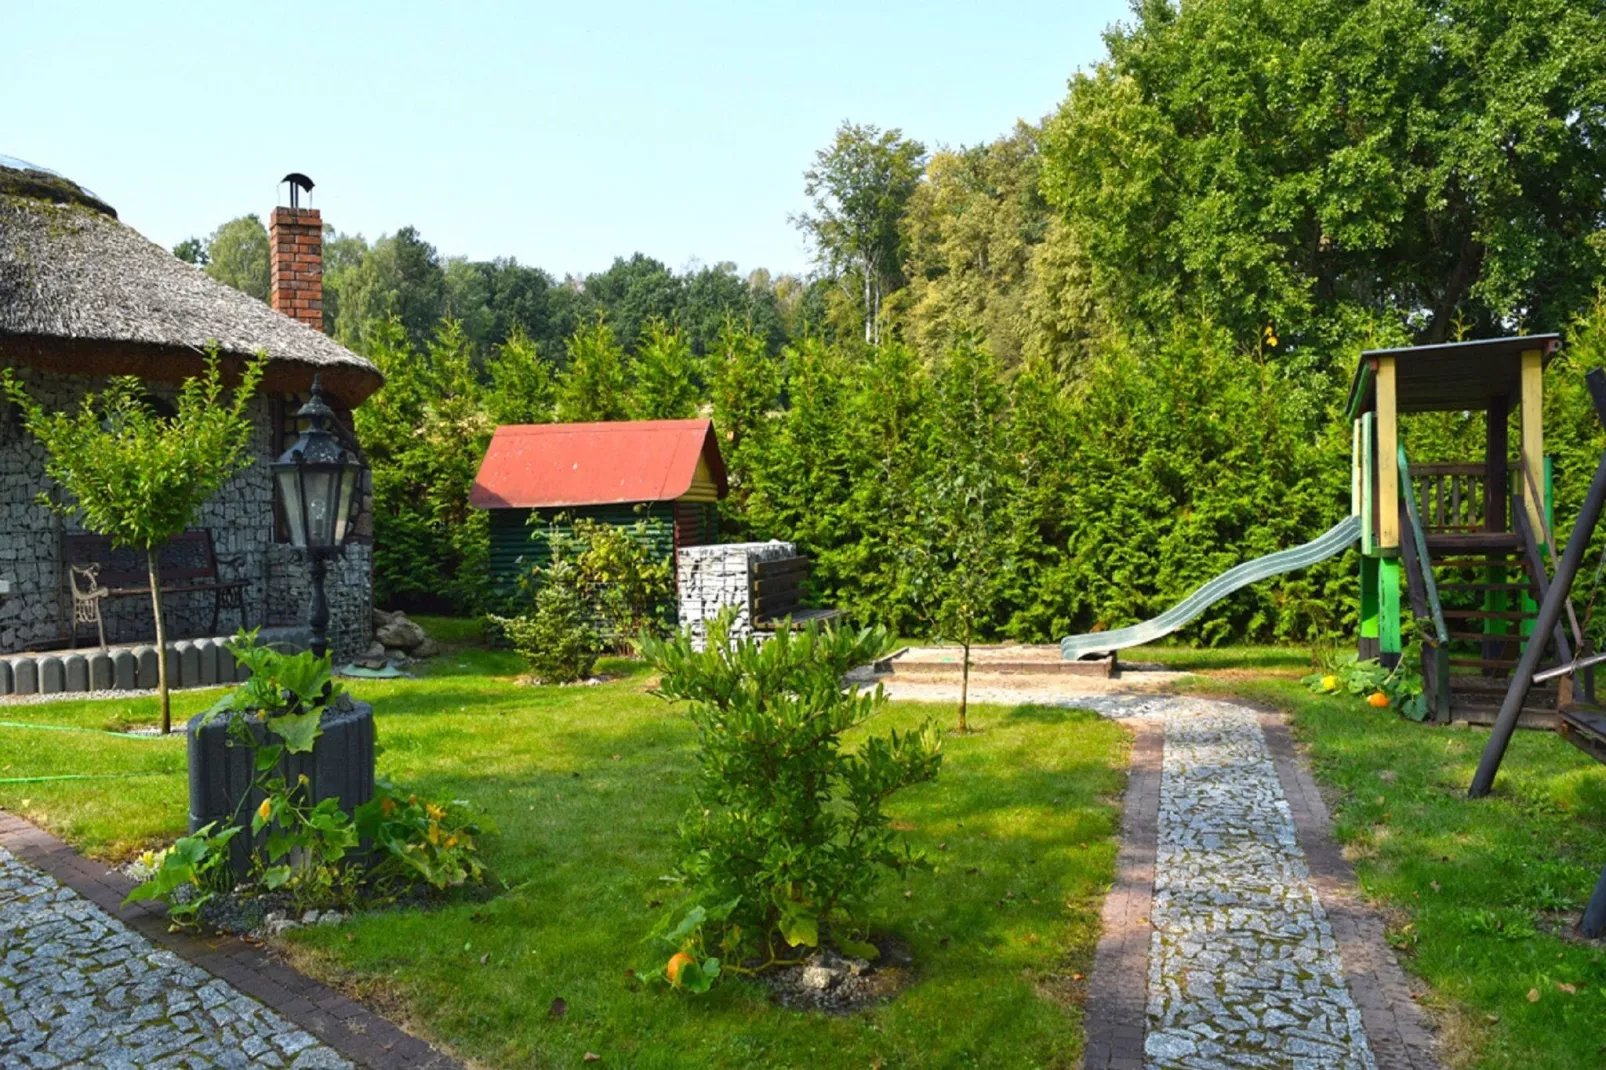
400	632
427	649
820	977
376	649
395	653
382	618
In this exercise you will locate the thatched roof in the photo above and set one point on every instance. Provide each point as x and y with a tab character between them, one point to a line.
82	292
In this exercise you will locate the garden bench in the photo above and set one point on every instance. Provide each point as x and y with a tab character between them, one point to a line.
775	594
188	563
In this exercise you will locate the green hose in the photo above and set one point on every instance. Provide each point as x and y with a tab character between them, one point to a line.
75	728
76	776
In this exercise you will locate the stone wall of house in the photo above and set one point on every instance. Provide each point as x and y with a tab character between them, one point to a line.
713	578
37	610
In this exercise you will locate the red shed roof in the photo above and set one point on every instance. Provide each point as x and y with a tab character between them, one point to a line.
540	465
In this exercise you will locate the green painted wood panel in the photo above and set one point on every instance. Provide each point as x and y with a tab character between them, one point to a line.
517	545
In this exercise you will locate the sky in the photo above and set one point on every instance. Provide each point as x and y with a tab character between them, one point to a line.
560	134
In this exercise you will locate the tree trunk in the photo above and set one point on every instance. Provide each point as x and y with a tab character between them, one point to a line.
869	315
964	689
154	564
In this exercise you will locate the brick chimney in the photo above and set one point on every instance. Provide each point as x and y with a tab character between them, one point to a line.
295	241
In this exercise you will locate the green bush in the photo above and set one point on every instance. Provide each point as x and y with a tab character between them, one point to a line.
558	641
787	835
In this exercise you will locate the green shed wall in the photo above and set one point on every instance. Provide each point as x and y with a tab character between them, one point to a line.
512	531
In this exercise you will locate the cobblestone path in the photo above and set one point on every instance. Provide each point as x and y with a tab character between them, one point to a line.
78	988
1244	970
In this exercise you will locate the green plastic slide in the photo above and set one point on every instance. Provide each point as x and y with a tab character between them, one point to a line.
1335	540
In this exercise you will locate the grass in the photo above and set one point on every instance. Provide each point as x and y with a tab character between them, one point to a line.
1481	895
586	784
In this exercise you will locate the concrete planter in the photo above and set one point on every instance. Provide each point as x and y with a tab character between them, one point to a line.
341	766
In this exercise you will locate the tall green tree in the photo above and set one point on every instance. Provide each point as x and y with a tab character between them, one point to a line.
746	385
594	386
400	276
140	477
425	432
1323	166
191	251
860	186
521	390
237	256
665	385
971	228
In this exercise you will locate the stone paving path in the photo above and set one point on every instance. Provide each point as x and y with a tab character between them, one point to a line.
1243	966
79	988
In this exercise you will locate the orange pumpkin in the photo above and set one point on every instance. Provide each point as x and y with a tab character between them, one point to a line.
1377	699
677	962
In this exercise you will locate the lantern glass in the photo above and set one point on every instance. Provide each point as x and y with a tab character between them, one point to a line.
350	477
318	486
289	480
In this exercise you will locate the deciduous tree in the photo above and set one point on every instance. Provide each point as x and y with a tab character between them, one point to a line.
137	476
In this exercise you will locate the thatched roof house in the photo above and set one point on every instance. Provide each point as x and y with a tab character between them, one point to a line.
81	292
84	296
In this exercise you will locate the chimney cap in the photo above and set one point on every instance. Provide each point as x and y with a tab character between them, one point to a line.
299	183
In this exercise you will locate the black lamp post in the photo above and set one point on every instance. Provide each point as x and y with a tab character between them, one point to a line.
317	481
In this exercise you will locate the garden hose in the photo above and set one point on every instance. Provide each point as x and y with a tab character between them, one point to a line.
78	776
75	728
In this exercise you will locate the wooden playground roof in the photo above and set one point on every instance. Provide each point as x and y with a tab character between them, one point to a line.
1454	376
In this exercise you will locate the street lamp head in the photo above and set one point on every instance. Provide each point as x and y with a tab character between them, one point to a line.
317	481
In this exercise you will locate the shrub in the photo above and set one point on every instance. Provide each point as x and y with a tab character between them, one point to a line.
558	642
787	835
632	584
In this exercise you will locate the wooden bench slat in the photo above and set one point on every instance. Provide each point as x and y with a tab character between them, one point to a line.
781	566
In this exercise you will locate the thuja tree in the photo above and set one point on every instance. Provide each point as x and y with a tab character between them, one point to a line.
137	476
787	834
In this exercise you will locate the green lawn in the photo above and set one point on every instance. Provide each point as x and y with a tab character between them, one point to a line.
586	784
1480	894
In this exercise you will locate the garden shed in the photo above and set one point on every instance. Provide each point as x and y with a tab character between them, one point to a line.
83	296
665	473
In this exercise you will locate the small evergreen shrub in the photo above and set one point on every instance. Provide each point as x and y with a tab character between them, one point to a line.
787	835
558	641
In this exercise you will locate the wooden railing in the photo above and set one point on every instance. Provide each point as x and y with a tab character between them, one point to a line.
1454	497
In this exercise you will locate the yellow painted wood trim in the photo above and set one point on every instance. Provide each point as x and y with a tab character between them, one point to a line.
1533	436
1388	450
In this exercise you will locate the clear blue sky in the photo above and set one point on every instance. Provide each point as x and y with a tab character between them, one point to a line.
562	134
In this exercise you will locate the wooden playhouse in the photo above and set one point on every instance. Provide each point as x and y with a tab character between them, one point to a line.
1465	541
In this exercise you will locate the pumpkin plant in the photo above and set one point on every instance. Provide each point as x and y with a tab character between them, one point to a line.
310	849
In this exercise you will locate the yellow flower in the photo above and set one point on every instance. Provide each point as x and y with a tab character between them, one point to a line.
265	810
451	841
387	806
435	813
434	835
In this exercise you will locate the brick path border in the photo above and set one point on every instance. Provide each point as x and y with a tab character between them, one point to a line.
1396	1028
345	1025
1117	1004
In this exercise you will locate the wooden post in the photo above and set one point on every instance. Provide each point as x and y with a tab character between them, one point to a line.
1495	489
1388	610
1388	473
1533	438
